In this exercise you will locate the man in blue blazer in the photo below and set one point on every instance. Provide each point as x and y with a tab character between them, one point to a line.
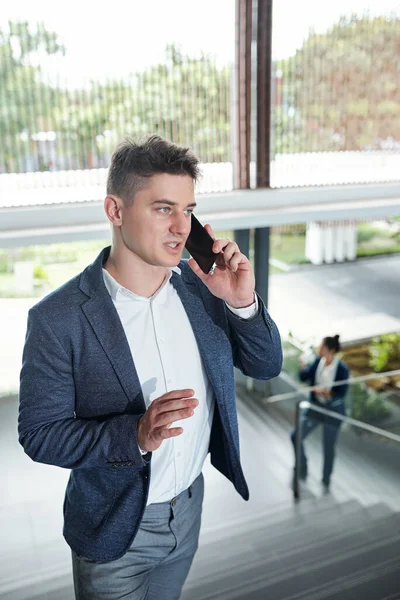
128	380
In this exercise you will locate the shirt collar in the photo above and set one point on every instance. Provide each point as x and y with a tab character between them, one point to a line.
332	366
118	291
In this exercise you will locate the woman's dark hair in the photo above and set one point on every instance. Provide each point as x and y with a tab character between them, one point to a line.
332	343
133	163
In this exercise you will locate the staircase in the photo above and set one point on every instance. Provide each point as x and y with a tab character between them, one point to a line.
341	546
344	545
316	550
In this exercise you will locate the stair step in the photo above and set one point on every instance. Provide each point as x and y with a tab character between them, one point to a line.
252	551
381	583
301	568
271	530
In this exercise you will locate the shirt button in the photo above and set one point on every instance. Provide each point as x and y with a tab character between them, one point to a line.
179	454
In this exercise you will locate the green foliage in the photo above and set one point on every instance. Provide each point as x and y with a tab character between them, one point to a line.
382	350
343	85
291	355
373	251
39	272
25	99
365	233
338	92
366	405
289	248
3	261
68	252
185	99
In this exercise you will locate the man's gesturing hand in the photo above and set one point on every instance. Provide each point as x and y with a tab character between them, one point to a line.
155	425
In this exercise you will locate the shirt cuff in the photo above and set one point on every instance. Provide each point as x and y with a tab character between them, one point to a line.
246	313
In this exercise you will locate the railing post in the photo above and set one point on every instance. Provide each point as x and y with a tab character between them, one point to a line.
297	451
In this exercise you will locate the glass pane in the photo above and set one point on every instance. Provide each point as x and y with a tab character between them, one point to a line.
335	109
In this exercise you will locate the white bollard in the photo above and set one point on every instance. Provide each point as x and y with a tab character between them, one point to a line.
328	243
350	243
340	233
314	243
23	276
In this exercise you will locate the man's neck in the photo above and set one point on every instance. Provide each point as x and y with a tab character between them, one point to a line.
134	274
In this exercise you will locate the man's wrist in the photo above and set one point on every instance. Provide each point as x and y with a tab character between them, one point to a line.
244	303
245	312
142	452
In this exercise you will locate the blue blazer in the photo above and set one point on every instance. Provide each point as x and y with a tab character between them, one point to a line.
336	402
80	400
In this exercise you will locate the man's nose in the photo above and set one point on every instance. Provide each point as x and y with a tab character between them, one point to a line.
181	223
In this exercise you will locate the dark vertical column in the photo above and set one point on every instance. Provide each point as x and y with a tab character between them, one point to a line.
242	116
261	261
242	238
264	69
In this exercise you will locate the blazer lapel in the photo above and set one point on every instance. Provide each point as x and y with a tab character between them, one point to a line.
103	317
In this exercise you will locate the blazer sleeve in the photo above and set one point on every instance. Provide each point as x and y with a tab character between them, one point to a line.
256	344
308	373
48	428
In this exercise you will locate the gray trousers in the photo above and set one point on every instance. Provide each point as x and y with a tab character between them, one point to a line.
155	567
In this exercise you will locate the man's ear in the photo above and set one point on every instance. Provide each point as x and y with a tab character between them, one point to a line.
113	206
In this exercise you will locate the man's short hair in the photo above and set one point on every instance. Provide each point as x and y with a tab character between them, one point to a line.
133	163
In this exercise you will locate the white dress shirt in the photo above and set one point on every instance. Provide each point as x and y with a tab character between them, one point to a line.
166	357
325	376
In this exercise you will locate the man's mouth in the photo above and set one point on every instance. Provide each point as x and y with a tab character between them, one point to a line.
174	247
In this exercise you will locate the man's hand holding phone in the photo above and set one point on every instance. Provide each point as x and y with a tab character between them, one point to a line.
232	279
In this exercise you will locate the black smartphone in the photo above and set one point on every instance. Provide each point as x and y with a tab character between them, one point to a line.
199	244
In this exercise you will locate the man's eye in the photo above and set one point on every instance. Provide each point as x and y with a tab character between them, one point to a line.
164	210
189	211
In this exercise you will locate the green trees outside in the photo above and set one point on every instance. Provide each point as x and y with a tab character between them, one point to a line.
186	99
340	91
24	96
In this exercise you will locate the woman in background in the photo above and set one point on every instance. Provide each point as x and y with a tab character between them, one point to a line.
322	372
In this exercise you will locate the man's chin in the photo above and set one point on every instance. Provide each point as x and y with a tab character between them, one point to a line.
170	261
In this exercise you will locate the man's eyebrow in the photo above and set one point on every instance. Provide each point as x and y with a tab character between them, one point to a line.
171	203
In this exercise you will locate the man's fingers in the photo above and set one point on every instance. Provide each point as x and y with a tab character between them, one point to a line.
164	434
222	244
175	395
235	261
165	419
229	250
174	405
155	425
209	229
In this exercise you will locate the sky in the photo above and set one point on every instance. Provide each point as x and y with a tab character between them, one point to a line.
123	36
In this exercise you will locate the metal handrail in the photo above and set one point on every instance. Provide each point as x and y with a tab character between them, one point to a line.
308	389
303	404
